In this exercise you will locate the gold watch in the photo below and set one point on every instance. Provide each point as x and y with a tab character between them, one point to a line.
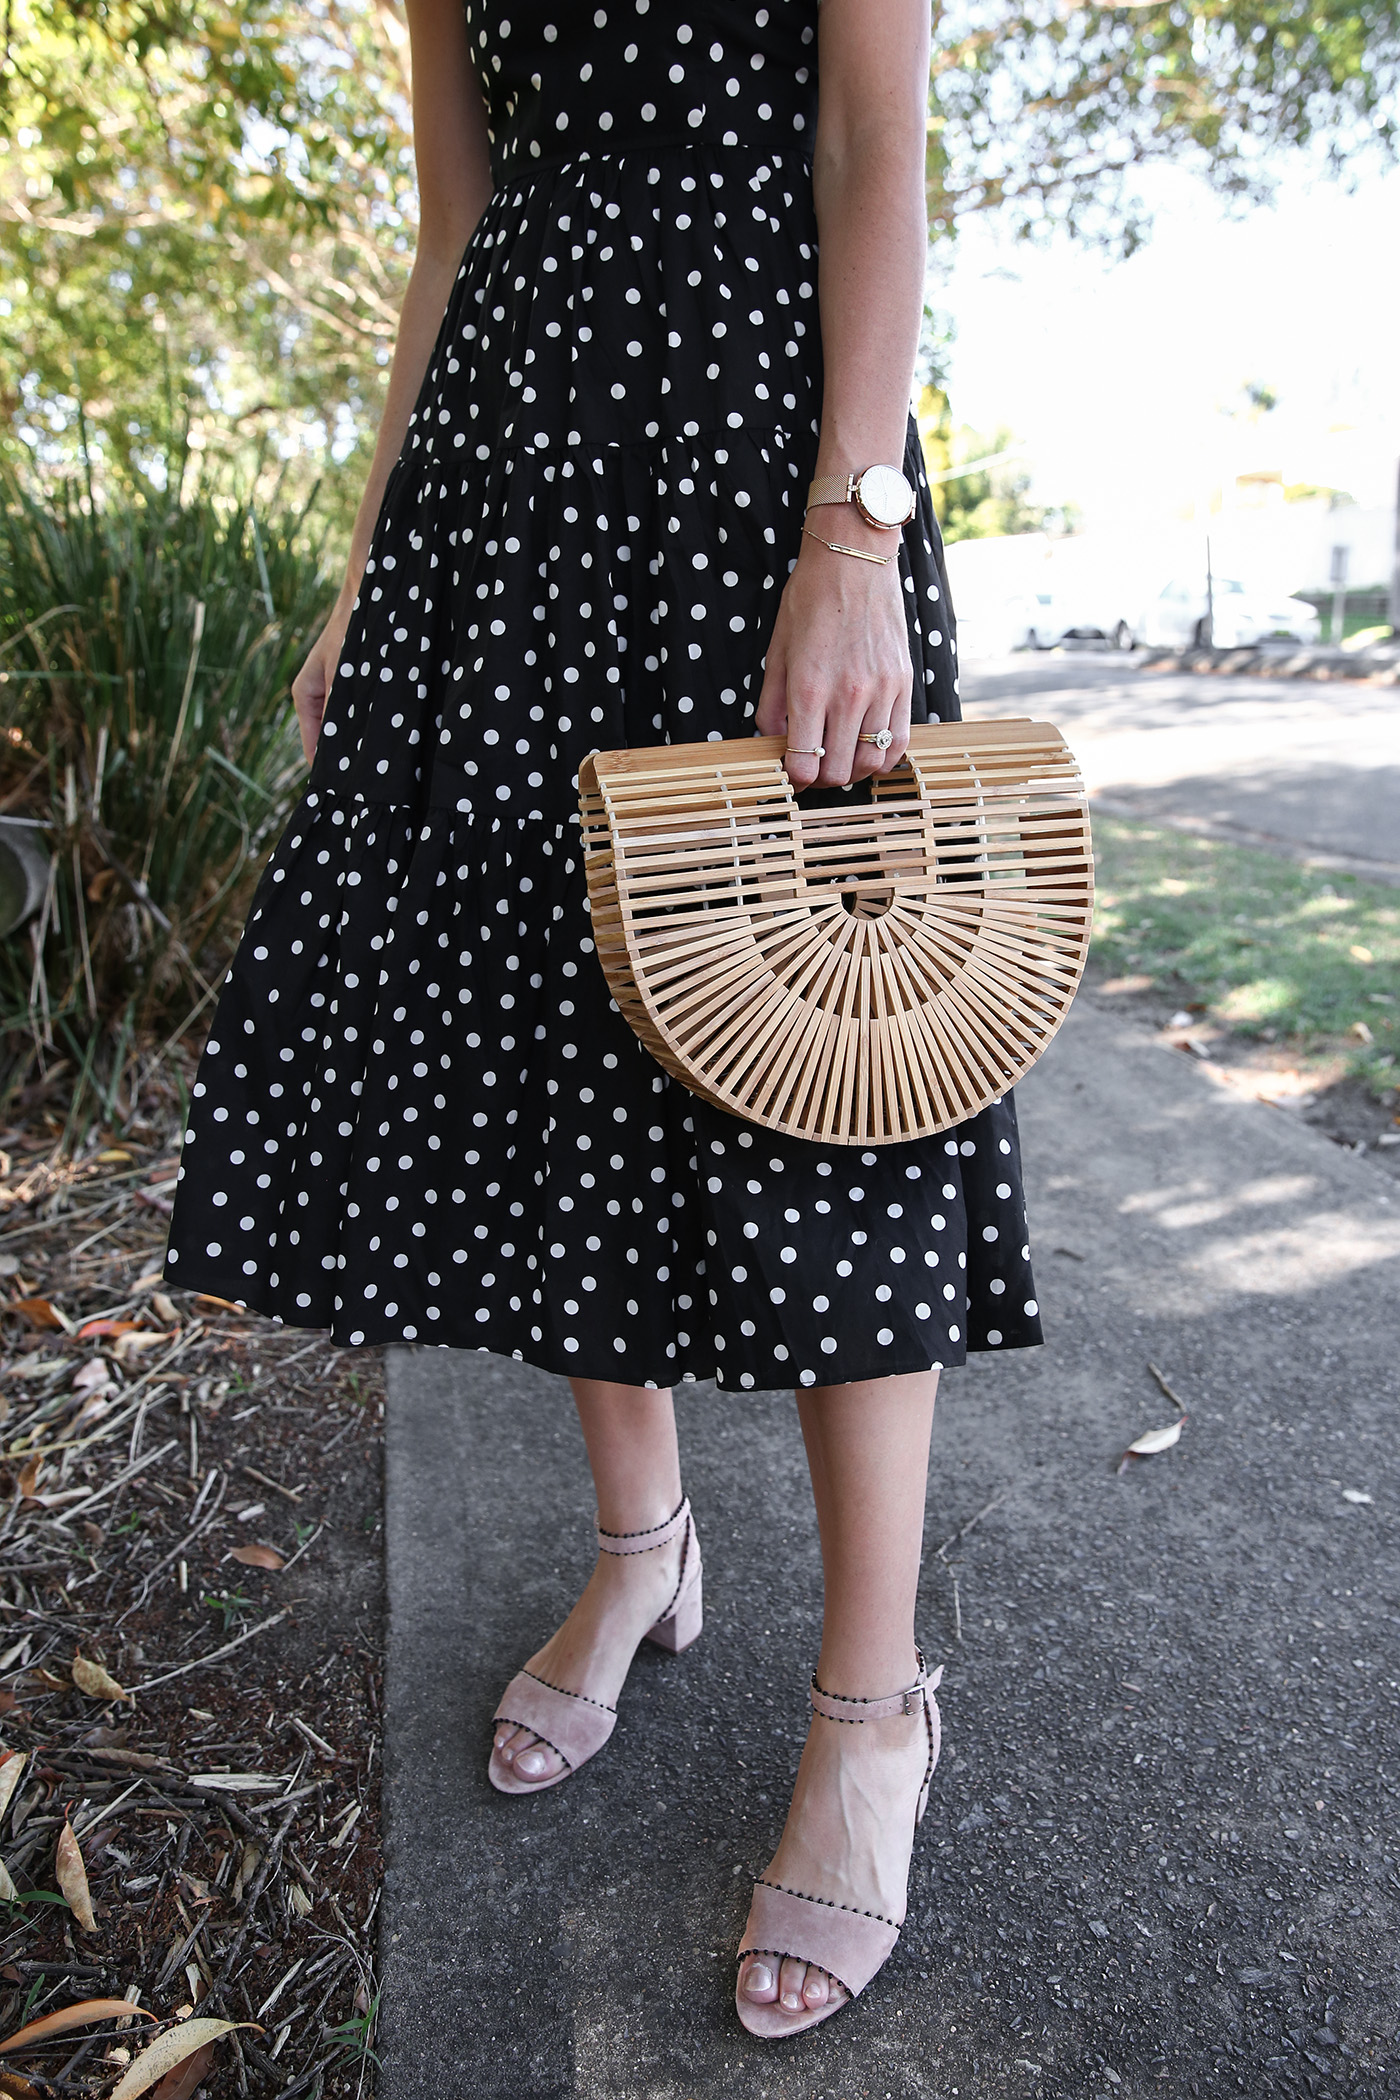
881	495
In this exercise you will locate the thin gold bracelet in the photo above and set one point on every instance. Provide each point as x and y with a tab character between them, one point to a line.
881	561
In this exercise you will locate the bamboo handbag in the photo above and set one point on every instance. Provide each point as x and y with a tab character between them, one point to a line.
856	975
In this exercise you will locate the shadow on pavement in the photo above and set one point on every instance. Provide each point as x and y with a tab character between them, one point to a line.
1160	1854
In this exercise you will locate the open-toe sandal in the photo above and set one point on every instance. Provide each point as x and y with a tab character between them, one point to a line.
848	1946
574	1726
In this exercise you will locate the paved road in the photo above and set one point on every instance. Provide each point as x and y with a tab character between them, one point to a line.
1311	766
1163	1851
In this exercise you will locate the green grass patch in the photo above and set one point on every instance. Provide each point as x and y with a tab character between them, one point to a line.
1270	948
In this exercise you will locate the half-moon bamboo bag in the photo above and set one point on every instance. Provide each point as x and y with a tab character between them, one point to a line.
860	974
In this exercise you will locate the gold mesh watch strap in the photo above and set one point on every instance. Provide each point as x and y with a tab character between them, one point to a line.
830	488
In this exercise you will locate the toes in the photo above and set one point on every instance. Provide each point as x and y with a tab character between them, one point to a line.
526	1755
759	1981
791	1977
537	1762
815	1991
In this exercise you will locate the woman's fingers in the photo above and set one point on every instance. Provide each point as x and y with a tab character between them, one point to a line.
850	719
312	684
806	735
837	670
770	717
309	689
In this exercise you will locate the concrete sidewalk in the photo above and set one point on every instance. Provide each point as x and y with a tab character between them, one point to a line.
1299	769
1161	1853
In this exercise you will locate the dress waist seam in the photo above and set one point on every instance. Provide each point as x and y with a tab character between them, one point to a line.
689	142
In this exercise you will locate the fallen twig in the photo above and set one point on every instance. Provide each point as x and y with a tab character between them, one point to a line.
265	1480
1175	1398
127	1473
995	1503
215	1655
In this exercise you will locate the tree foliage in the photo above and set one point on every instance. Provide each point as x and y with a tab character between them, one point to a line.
207	210
206	217
980	502
1046	112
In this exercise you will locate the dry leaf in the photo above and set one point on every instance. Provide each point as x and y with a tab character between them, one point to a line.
1360	954
168	2050
8	1892
1360	1033
299	1900
259	1557
179	2084
130	1345
39	1312
29	1476
113	1151
103	1330
95	1374
68	2016
97	1683
92	1410
11	1772
1153	1440
164	1309
226	1304
72	1878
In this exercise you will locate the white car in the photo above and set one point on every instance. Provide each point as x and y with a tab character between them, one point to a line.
1043	619
1240	617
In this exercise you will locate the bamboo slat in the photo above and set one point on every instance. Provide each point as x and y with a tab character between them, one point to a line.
857	975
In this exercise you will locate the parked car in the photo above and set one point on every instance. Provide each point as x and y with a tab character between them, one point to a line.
1044	619
1177	616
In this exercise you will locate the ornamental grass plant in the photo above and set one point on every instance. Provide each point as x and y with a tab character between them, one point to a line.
147	645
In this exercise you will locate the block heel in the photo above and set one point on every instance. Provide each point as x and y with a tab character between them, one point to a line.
681	1626
850	1946
572	1725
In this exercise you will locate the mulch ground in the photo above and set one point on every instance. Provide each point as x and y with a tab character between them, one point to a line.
190	1644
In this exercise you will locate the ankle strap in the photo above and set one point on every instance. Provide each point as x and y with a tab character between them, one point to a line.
645	1541
832	1708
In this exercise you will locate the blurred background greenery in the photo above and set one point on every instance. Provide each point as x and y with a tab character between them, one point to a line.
207	215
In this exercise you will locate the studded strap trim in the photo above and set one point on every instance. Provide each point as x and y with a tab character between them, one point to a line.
834	1708
623	1542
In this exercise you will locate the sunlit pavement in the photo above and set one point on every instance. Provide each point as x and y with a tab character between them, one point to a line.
1301	765
1161	1853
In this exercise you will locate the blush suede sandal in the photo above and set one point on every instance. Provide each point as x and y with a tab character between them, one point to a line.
571	1724
849	1946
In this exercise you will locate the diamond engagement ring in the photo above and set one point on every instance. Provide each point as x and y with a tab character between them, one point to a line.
880	738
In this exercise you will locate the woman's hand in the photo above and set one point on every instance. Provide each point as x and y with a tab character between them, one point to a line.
838	664
312	685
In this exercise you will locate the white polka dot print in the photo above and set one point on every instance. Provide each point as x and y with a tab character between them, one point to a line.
420	1117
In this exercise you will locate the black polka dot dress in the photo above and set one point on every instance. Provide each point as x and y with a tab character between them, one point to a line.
419	1116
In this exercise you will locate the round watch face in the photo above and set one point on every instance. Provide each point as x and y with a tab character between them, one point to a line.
885	497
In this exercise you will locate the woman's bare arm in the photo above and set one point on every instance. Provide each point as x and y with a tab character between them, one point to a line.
454	184
838	663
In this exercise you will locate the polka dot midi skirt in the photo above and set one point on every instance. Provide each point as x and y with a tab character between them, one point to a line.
419	1116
